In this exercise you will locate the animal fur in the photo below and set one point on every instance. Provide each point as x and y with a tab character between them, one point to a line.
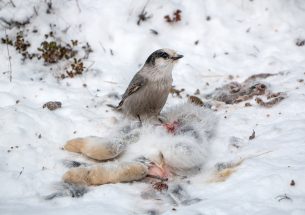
106	173
235	92
183	151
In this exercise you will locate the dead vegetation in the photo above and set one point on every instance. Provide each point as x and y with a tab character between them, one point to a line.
68	56
52	105
143	16
49	9
252	136
21	45
77	68
176	92
176	17
196	101
9	24
283	197
8	42
300	42
52	51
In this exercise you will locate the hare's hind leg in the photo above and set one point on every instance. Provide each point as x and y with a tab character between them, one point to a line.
106	173
97	148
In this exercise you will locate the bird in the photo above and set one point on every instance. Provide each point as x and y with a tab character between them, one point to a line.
148	90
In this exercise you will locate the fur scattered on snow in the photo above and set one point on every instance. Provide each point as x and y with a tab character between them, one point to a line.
186	149
235	92
183	151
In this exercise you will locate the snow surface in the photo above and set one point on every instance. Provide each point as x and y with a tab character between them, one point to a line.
241	38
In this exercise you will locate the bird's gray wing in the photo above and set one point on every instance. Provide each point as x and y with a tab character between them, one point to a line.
136	84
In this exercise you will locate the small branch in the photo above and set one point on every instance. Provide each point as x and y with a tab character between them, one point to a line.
7	23
21	172
35	11
77	4
12	3
143	15
283	197
9	59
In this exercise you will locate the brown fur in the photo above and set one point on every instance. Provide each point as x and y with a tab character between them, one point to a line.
106	173
96	150
223	174
75	145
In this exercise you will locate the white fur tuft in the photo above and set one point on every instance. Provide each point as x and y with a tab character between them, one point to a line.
185	150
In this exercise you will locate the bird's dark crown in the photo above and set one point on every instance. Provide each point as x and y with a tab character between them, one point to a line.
157	54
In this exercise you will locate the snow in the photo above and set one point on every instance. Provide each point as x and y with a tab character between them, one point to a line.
259	37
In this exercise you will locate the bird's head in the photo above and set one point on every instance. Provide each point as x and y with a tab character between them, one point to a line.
163	58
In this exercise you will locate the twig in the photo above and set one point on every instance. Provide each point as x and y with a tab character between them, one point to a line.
7	23
12	3
282	197
102	47
143	15
35	11
21	172
77	4
9	59
110	82
81	78
252	135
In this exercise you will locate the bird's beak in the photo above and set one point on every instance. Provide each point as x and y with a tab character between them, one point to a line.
177	57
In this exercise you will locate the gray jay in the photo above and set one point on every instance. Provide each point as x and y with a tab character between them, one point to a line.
148	90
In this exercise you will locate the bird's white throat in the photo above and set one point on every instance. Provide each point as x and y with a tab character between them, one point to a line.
159	73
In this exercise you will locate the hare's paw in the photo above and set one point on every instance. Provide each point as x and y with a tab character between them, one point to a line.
97	148
75	145
78	175
106	173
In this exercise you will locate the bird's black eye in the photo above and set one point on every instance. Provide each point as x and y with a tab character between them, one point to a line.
164	55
